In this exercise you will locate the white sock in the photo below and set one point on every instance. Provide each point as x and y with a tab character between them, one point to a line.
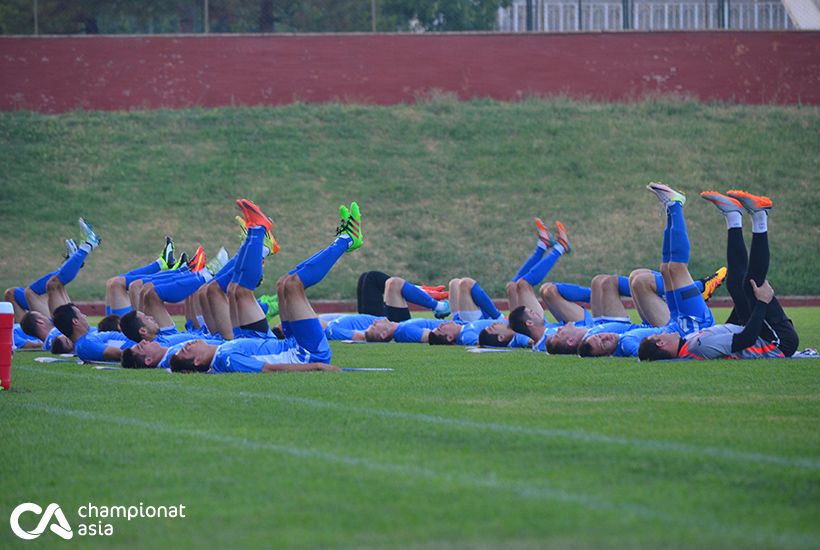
541	244
560	248
470	315
265	251
206	275
85	246
201	320
760	221
733	219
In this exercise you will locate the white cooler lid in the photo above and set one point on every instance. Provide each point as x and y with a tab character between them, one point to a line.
6	307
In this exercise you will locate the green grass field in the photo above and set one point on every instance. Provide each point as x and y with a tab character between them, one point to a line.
451	449
447	188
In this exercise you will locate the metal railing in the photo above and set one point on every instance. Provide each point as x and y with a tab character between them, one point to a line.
556	16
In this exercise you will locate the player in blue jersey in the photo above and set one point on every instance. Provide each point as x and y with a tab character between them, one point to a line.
305	346
89	344
473	311
757	326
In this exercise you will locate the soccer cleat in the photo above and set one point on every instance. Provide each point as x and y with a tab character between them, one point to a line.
166	257
713	282
182	261
253	215
271	243
217	262
436	292
351	223
89	234
272	301
544	234
561	237
724	203
666	194
241	222
70	248
199	260
442	309
752	203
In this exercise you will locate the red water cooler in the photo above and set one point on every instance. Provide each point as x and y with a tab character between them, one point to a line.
6	342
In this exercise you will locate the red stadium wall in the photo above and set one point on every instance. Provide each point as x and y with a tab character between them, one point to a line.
56	74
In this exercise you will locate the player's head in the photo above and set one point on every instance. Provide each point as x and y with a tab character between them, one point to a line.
33	323
194	356
109	323
598	345
522	319
659	346
497	335
68	319
62	344
145	354
138	326
381	330
565	340
444	334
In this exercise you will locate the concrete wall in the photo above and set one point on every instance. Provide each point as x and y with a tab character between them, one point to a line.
56	74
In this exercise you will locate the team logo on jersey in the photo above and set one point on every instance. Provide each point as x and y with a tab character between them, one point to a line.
59	527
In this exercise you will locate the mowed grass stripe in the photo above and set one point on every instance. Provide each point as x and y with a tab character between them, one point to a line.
525	490
651	445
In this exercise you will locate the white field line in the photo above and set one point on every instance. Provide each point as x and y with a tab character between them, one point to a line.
699	451
521	489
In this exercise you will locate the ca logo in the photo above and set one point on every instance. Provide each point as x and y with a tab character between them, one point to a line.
61	528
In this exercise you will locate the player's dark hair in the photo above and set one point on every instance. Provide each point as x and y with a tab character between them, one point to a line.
554	347
29	324
130	325
63	318
109	323
517	321
585	349
178	364
487	340
435	339
59	346
648	350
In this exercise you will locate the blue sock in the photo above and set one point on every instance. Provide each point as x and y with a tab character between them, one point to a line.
147	269
317	266
248	268
180	287
71	266
287	330
659	283
415	295
484	303
39	286
574	293
623	286
678	237
699	285
536	255
666	232
225	275
107	310
121	311
540	269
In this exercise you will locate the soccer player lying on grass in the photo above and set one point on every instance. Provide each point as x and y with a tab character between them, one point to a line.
370	293
49	292
33	297
305	348
474	312
398	293
757	327
622	340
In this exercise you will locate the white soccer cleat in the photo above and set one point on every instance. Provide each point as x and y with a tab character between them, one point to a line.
666	194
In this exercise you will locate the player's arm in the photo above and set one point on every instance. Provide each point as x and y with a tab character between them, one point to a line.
298	367
31	344
748	336
110	353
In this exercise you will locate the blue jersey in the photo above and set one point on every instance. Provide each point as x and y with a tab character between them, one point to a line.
412	330
92	345
629	341
169	340
549	330
469	332
165	362
19	338
344	326
251	354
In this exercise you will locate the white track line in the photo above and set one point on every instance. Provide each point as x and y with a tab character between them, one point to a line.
549	433
522	489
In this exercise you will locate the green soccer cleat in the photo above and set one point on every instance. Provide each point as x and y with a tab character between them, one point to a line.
272	301
70	248
354	227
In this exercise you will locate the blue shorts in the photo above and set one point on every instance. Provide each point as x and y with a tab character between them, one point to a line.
310	335
688	312
20	297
